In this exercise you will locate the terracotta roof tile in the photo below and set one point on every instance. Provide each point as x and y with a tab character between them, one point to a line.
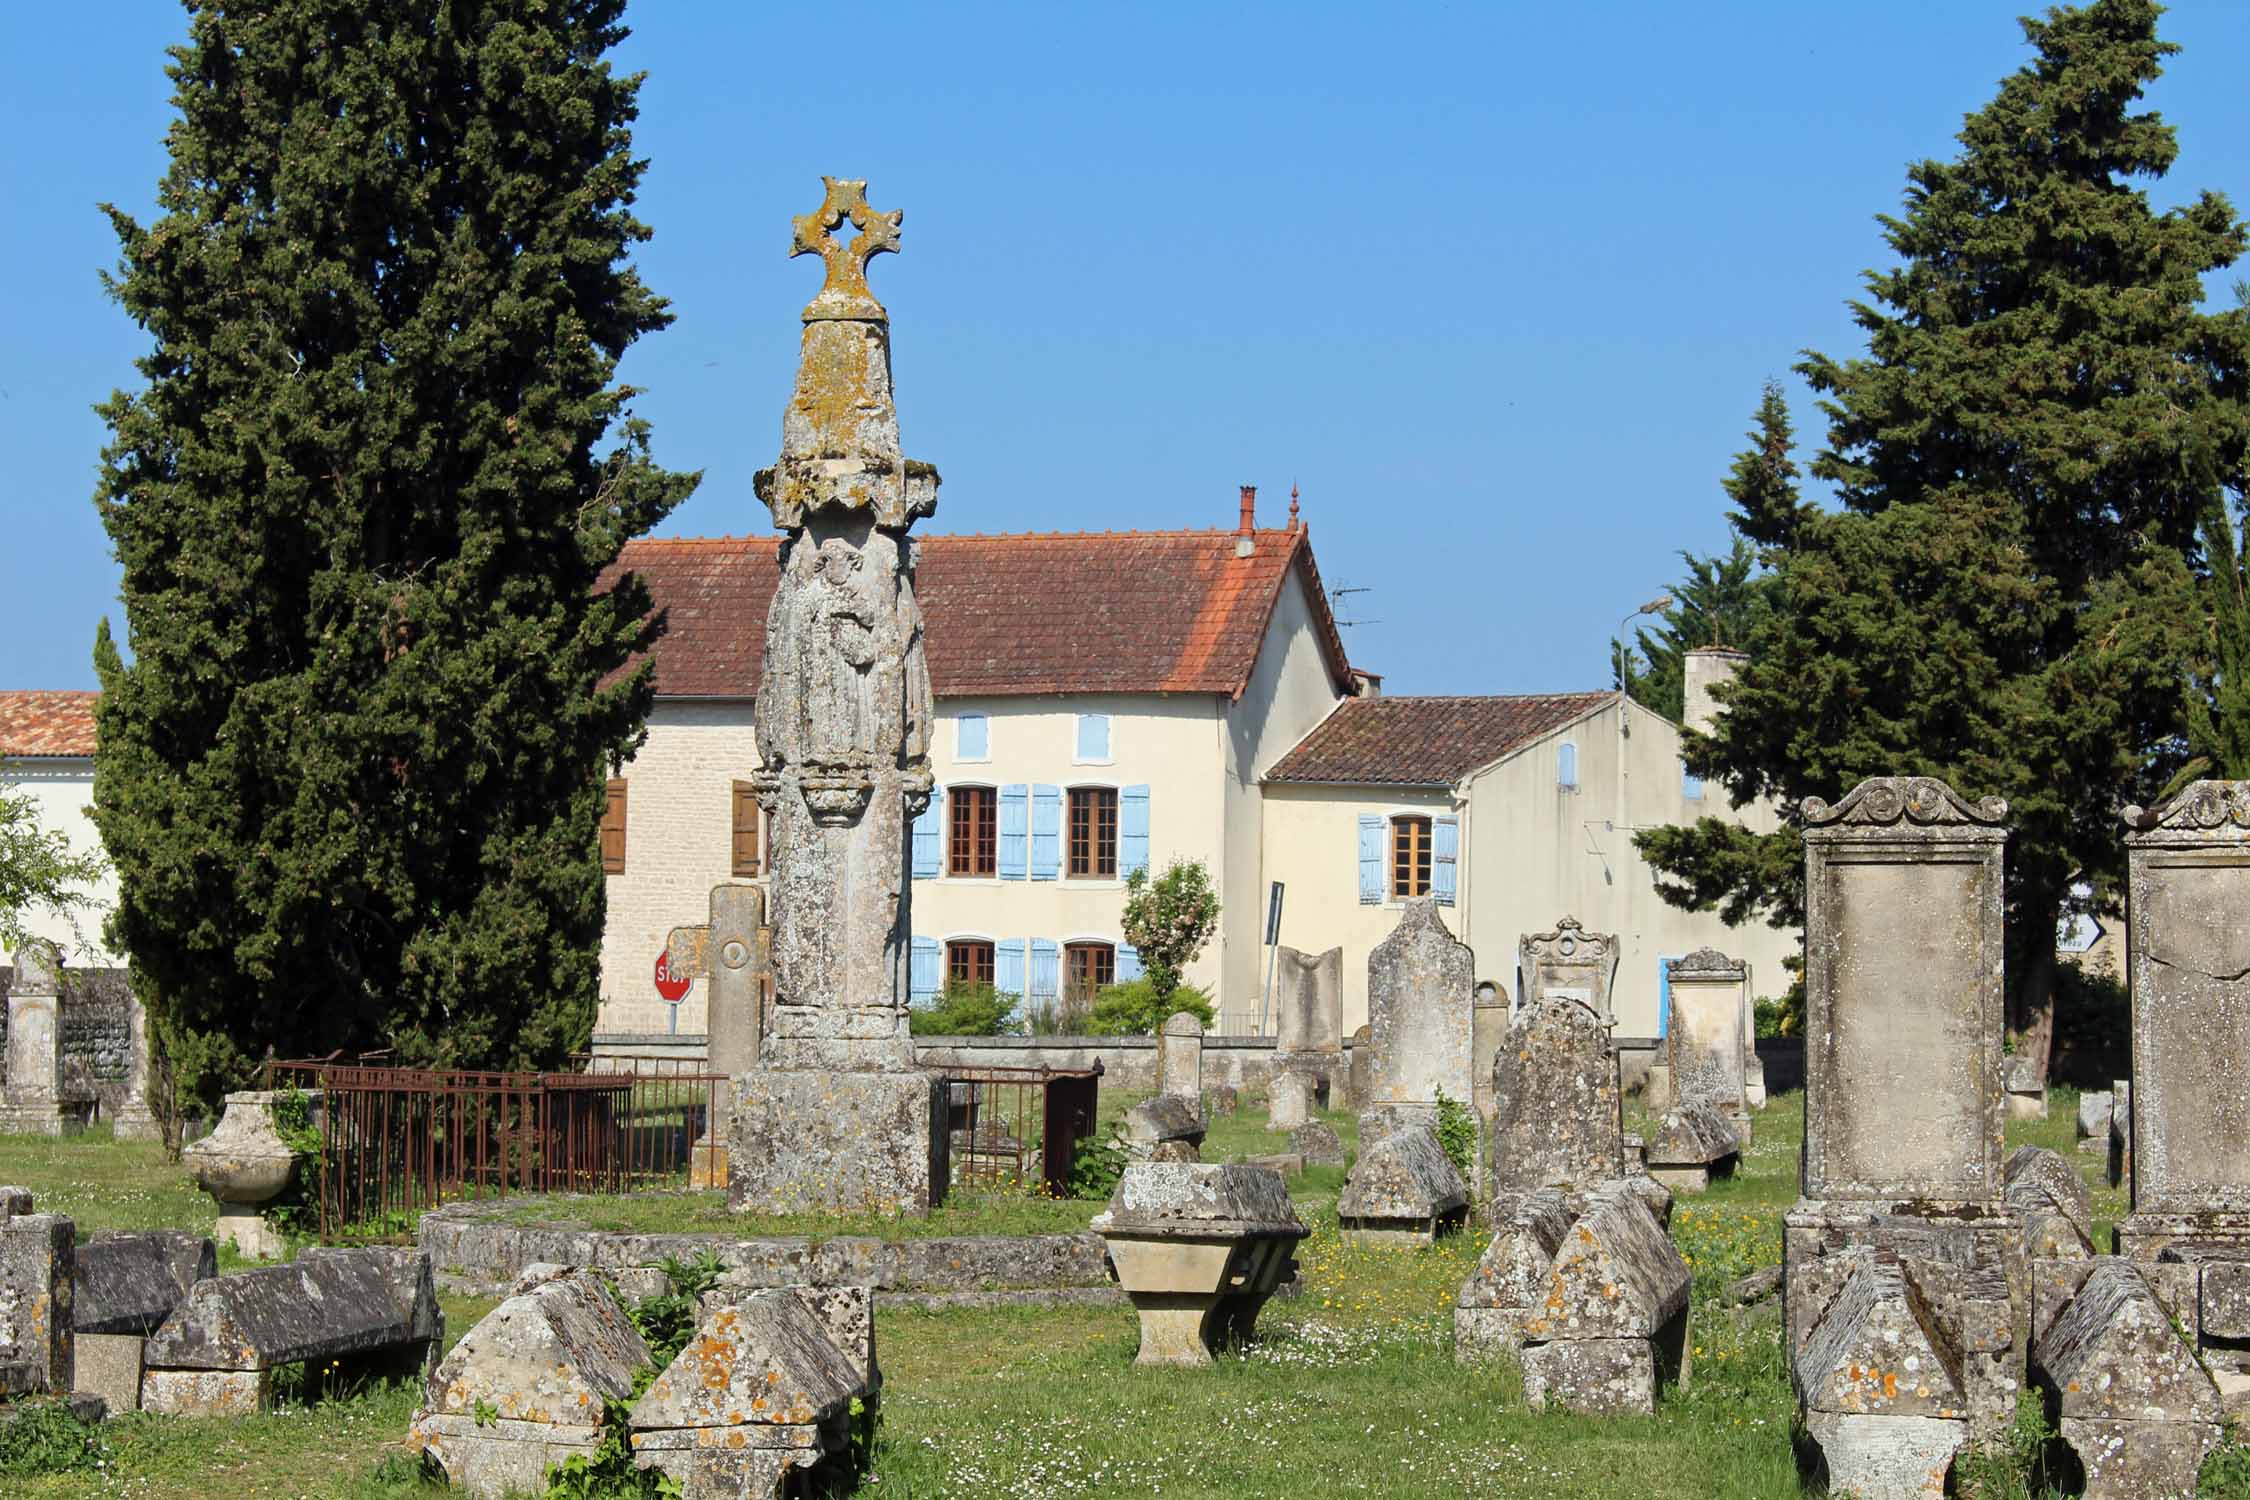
47	724
1088	612
1424	741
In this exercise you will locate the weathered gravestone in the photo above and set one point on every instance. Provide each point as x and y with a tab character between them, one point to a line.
1554	1090
1179	1058
2189	879
37	1257
1402	1189
837	1116
1569	963
1705	1039
31	1098
1902	1232
528	1388
1359	1070
1309	1029
1199	1248
1421	994
1488	1032
732	954
371	1312
126	1285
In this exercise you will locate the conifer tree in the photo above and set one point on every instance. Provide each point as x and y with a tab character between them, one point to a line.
2043	418
351	776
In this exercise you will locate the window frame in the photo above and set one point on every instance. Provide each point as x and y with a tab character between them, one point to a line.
960	752
1108	757
1418	858
1094	841
755	866
1071	949
616	819
982	840
988	961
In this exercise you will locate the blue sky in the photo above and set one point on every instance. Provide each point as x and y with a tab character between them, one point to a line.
1496	286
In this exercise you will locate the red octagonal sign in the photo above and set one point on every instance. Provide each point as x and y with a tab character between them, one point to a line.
671	983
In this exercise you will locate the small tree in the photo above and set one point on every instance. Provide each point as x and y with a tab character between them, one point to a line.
39	871
1169	919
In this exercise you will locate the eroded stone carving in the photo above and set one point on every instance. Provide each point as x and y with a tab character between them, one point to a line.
1199	1248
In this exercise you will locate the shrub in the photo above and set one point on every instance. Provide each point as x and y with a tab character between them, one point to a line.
1095	1165
1137	1009
965	1010
1169	919
42	1437
1783	1015
1457	1133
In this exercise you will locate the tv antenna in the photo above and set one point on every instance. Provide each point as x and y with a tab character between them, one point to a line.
1336	606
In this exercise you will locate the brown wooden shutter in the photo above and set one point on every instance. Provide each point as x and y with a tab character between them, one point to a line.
748	847
613	829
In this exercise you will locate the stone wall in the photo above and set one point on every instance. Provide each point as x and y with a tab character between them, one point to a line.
96	1034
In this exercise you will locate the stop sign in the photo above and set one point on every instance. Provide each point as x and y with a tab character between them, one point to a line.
671	983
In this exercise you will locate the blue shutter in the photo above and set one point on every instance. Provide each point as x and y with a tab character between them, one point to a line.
972	737
929	836
1093	736
1691	785
1007	966
925	978
1046	969
1128	963
1663	998
1046	832
1445	857
1015	826
1370	859
1566	765
1132	830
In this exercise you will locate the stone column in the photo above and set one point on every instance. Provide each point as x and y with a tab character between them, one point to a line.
1421	995
2188	873
37	1277
31	1104
1179	1058
732	954
135	1120
1488	1033
836	1116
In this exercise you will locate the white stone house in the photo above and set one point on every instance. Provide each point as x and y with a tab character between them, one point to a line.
47	754
1105	701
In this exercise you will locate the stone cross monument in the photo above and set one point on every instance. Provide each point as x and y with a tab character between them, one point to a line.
836	1116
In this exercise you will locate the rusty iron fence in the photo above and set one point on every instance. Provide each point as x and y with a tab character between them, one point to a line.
1006	1123
396	1142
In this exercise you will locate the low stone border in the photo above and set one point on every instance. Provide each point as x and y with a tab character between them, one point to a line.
476	1254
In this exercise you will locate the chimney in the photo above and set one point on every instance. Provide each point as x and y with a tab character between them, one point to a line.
1245	542
1705	668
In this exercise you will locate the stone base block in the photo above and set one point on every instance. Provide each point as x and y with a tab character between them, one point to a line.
1682	1179
728	1464
1397	1233
249	1233
1487	1333
1885	1457
2140	1460
2027	1106
2145	1236
837	1142
134	1121
31	1119
206	1393
707	1164
1594	1377
505	1456
108	1365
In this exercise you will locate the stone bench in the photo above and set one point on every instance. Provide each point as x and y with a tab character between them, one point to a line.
368	1312
127	1284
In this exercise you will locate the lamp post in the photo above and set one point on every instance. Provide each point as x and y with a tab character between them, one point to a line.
1617	818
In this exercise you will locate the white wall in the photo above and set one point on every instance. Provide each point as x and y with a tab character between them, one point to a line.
61	788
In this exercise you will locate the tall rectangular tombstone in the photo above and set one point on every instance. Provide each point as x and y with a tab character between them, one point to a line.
2188	891
31	1098
1421	994
1703	1038
1569	963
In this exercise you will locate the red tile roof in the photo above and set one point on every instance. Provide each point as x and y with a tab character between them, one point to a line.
1087	612
1425	741
36	724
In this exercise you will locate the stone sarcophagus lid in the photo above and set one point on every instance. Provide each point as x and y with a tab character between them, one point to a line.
1199	1248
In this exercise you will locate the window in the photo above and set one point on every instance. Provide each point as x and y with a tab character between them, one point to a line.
1410	858
749	832
968	961
1093	833
975	832
613	828
972	737
1093	737
1090	966
1566	766
1691	785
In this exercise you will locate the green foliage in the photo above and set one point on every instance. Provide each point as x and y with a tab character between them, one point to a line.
609	1473
2017	1464
2218	701
965	1010
1457	1133
38	871
1169	919
1718	603
1781	1017
297	1210
42	1437
1095	1165
2093	1028
2043	420
351	776
2226	1473
666	1323
1136	1008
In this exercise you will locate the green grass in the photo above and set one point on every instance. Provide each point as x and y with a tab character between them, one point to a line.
1352	1388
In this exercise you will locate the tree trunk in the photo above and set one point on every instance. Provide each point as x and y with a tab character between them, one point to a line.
2035	988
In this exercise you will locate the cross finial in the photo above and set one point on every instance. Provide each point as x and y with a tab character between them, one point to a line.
845	293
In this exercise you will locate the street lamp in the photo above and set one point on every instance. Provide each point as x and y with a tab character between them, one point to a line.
1617	817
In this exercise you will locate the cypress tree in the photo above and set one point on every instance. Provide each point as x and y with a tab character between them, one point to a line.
2043	418
351	775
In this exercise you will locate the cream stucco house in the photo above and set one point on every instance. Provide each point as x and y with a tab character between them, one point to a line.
47	755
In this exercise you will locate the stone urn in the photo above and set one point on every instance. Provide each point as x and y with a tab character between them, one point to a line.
245	1164
1199	1248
